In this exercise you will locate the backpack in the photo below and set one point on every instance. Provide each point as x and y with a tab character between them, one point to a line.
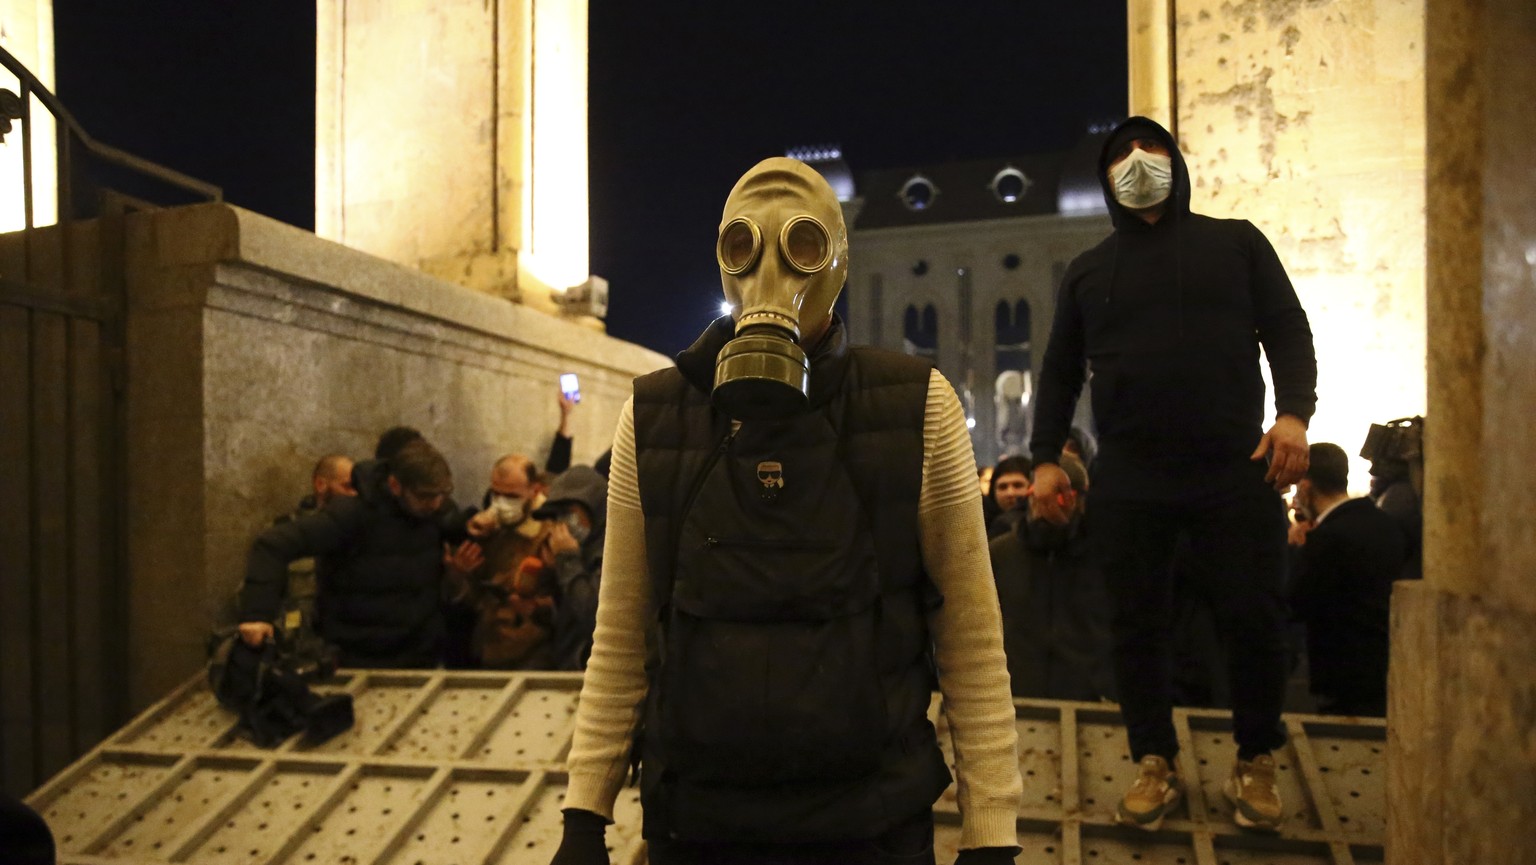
769	666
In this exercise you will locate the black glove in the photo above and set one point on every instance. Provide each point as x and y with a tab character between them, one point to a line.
582	843
987	856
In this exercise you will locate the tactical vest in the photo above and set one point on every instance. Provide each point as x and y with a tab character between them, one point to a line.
790	666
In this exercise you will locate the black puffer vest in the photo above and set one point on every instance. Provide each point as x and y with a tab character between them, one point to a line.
790	666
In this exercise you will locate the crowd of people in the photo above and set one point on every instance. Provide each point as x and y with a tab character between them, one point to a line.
799	554
1057	627
380	561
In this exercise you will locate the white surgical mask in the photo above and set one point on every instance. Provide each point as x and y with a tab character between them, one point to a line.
1142	179
509	509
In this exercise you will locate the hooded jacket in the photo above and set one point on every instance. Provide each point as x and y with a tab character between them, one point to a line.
578	574
1166	319
380	567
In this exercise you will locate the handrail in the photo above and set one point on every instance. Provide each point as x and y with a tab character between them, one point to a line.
106	152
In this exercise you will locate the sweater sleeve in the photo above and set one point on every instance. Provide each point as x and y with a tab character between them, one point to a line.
1062	372
614	685
1283	330
967	628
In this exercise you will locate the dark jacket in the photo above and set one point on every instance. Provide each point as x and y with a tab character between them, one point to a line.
1168	318
1342	591
1399	501
1056	614
578	574
380	573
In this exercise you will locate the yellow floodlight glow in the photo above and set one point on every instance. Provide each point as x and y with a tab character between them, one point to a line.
26	31
555	249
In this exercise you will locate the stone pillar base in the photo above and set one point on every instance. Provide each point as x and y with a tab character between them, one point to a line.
1462	710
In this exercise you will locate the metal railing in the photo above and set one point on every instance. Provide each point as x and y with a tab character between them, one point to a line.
72	135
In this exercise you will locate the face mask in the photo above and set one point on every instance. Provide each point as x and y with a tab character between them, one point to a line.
783	257
509	509
1142	179
579	530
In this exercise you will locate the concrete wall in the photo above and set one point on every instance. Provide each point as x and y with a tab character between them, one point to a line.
254	347
887	255
1462	719
1307	118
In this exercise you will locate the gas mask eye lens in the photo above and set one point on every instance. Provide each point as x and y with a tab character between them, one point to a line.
805	244
739	245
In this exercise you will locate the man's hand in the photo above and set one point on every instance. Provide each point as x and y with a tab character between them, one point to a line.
1048	494
567	405
1286	445
582	842
464	560
255	634
1296	535
483	524
987	856
560	541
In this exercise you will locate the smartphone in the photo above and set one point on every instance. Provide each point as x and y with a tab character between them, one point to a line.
570	386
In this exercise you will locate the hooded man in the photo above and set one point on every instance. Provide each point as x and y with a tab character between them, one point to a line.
794	543
575	513
1168	313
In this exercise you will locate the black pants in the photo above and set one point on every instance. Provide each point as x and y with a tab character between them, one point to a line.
1238	545
907	843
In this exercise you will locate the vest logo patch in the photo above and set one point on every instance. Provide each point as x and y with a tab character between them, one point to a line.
770	474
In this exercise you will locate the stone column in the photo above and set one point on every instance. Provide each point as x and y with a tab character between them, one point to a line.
1308	120
451	136
26	32
1461	756
1150	60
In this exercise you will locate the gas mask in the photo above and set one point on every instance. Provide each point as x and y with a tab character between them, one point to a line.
783	256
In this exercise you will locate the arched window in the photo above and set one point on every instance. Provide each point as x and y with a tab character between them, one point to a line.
1012	336
920	331
1014	391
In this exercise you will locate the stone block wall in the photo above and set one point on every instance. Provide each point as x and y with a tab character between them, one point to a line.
1306	117
254	347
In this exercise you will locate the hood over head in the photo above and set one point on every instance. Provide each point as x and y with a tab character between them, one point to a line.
1142	127
584	486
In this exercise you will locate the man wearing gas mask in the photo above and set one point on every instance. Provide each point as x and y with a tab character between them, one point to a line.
795	543
1169	313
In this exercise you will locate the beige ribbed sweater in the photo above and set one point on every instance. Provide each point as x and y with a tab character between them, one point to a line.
966	630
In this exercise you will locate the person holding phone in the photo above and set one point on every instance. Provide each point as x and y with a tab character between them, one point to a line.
560	451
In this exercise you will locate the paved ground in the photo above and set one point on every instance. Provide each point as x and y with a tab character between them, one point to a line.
449	767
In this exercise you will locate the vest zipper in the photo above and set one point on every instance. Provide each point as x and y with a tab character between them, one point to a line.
698	482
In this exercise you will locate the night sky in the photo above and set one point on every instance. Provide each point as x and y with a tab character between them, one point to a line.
684	98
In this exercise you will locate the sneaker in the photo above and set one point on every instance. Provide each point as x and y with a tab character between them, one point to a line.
1155	793
1254	797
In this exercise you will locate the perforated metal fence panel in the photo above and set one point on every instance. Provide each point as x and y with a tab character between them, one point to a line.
452	768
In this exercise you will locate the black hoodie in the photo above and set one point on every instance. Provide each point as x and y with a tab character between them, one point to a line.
1168	319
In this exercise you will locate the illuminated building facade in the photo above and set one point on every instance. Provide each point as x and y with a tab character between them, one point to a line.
960	262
